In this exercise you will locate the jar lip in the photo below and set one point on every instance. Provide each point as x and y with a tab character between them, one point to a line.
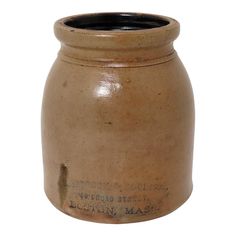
116	21
116	30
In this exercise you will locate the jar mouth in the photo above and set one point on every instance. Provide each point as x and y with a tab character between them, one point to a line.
116	21
116	31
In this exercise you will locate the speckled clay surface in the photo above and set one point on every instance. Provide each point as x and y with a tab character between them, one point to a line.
117	119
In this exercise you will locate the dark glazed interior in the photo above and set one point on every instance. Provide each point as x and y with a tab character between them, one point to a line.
116	21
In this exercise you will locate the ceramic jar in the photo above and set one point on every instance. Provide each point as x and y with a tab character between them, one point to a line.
117	119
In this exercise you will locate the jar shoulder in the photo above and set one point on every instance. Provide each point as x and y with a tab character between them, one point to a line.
111	82
95	94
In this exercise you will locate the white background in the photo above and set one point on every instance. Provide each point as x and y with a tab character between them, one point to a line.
207	47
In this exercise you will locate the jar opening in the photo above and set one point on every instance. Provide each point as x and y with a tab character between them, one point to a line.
116	21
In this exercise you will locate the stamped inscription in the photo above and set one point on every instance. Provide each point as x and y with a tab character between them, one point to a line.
110	198
113	210
130	199
114	186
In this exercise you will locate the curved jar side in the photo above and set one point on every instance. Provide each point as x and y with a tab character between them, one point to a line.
117	142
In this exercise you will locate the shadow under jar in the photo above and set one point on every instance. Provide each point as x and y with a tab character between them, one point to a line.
117	119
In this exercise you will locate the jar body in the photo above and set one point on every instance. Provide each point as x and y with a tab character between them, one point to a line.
118	141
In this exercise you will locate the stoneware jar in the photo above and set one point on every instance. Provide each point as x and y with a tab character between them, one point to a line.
117	119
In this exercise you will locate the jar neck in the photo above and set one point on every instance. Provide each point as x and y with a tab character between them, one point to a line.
117	58
116	39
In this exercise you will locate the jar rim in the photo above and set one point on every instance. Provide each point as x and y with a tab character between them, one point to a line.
116	30
116	21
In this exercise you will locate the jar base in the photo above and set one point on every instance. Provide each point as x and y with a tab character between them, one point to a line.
121	220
